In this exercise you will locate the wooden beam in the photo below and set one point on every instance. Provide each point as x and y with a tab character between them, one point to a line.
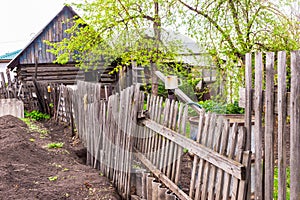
46	78
52	73
35	67
182	96
47	69
170	184
230	166
66	82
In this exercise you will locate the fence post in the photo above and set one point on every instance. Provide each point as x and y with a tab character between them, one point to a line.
258	126
295	126
248	114
269	127
282	106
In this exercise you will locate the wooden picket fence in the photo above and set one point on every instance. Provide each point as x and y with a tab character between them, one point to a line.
105	128
121	137
219	165
274	108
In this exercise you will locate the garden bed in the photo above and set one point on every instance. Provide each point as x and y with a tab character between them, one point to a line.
29	169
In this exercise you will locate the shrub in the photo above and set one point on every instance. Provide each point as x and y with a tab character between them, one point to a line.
221	108
36	115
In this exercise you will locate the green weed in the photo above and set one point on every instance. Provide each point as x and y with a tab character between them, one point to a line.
34	127
55	145
275	194
65	169
52	178
36	115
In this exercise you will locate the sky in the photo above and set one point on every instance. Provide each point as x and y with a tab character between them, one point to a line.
21	19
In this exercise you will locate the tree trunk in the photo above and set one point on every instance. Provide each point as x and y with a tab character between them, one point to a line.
154	79
157	35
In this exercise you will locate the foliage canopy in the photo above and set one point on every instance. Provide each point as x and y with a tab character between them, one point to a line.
135	30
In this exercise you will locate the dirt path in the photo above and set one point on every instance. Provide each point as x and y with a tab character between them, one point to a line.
30	170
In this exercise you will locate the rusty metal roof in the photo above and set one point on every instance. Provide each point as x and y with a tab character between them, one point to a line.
54	31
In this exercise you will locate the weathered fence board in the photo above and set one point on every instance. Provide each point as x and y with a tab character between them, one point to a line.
269	127
282	105
276	99
258	126
295	125
117	131
207	169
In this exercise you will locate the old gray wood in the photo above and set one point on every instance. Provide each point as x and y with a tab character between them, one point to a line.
282	106
223	148
232	167
196	160
170	184
269	127
295	126
231	150
258	126
248	110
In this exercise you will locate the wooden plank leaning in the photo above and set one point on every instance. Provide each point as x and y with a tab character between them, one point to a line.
230	166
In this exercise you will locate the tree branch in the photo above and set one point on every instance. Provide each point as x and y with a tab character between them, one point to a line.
225	35
235	18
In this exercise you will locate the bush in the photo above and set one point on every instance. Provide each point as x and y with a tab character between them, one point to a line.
36	115
221	108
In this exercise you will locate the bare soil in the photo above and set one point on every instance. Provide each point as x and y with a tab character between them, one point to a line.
30	170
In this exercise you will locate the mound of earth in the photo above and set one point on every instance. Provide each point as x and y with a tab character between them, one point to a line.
30	170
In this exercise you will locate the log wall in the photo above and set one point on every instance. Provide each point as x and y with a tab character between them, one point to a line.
53	73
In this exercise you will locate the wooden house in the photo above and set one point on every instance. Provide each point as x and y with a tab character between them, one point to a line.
35	58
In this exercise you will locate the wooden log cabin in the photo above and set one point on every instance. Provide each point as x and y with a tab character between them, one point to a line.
35	55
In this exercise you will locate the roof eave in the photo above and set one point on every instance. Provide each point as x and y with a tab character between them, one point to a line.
13	63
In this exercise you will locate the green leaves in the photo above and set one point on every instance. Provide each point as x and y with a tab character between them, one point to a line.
111	30
136	30
36	115
230	29
55	145
221	108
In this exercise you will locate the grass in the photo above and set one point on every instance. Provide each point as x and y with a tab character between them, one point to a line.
34	127
275	194
55	145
